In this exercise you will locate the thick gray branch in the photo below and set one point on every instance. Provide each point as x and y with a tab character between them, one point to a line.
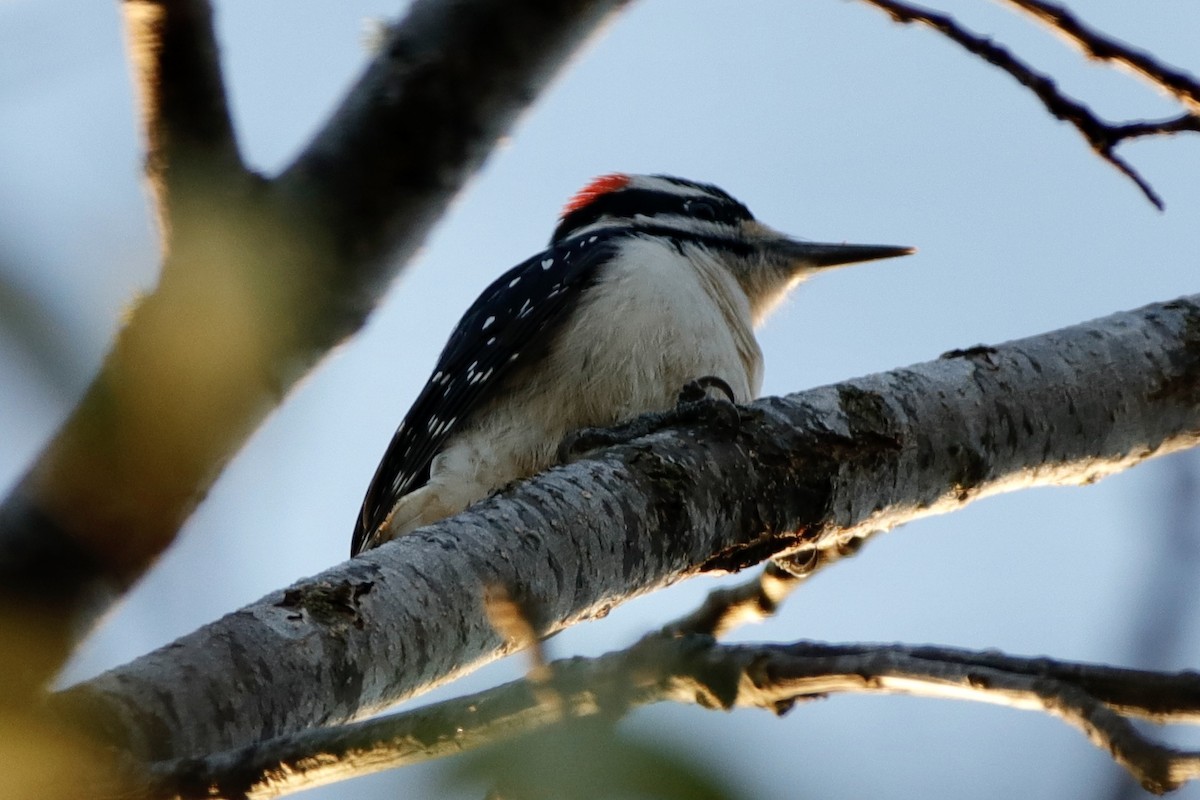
807	471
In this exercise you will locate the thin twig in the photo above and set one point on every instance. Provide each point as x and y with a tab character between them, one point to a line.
1179	84
1159	697
519	626
788	674
760	597
728	607
1101	136
695	669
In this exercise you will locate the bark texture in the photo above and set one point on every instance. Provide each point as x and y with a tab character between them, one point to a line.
808	471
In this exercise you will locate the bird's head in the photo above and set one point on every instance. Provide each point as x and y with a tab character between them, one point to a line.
702	217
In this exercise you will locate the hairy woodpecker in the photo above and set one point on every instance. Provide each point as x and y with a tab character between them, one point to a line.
649	282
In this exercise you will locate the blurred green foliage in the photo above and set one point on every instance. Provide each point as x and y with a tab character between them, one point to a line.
587	759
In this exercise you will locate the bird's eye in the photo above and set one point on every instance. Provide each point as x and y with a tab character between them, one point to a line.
702	209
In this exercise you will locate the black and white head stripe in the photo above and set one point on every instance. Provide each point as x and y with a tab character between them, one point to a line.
511	321
634	199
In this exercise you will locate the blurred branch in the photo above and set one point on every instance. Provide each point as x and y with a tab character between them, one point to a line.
1101	136
695	669
726	608
447	83
1163	605
39	331
759	598
184	114
260	279
811	471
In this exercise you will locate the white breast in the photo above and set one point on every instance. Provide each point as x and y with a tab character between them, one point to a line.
654	321
657	320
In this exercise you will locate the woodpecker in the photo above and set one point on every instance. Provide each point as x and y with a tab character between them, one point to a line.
649	283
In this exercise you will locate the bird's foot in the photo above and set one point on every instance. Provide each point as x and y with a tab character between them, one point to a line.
694	405
579	443
697	405
697	391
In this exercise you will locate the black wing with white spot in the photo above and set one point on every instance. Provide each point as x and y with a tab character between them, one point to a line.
513	318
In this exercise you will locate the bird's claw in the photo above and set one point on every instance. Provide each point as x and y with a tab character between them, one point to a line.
579	443
694	405
696	391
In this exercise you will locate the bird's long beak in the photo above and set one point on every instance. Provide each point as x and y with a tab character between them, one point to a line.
819	255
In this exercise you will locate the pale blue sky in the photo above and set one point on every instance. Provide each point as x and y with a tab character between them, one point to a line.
830	123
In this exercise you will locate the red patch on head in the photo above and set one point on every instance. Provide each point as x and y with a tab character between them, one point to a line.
597	188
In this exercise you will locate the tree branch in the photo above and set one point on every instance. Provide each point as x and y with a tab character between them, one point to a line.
549	694
445	86
1101	136
1094	44
66	544
184	114
760	597
695	669
727	608
807	670
838	463
260	279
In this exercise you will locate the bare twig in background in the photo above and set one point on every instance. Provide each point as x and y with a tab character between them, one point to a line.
695	669
74	530
796	672
1179	84
1102	137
